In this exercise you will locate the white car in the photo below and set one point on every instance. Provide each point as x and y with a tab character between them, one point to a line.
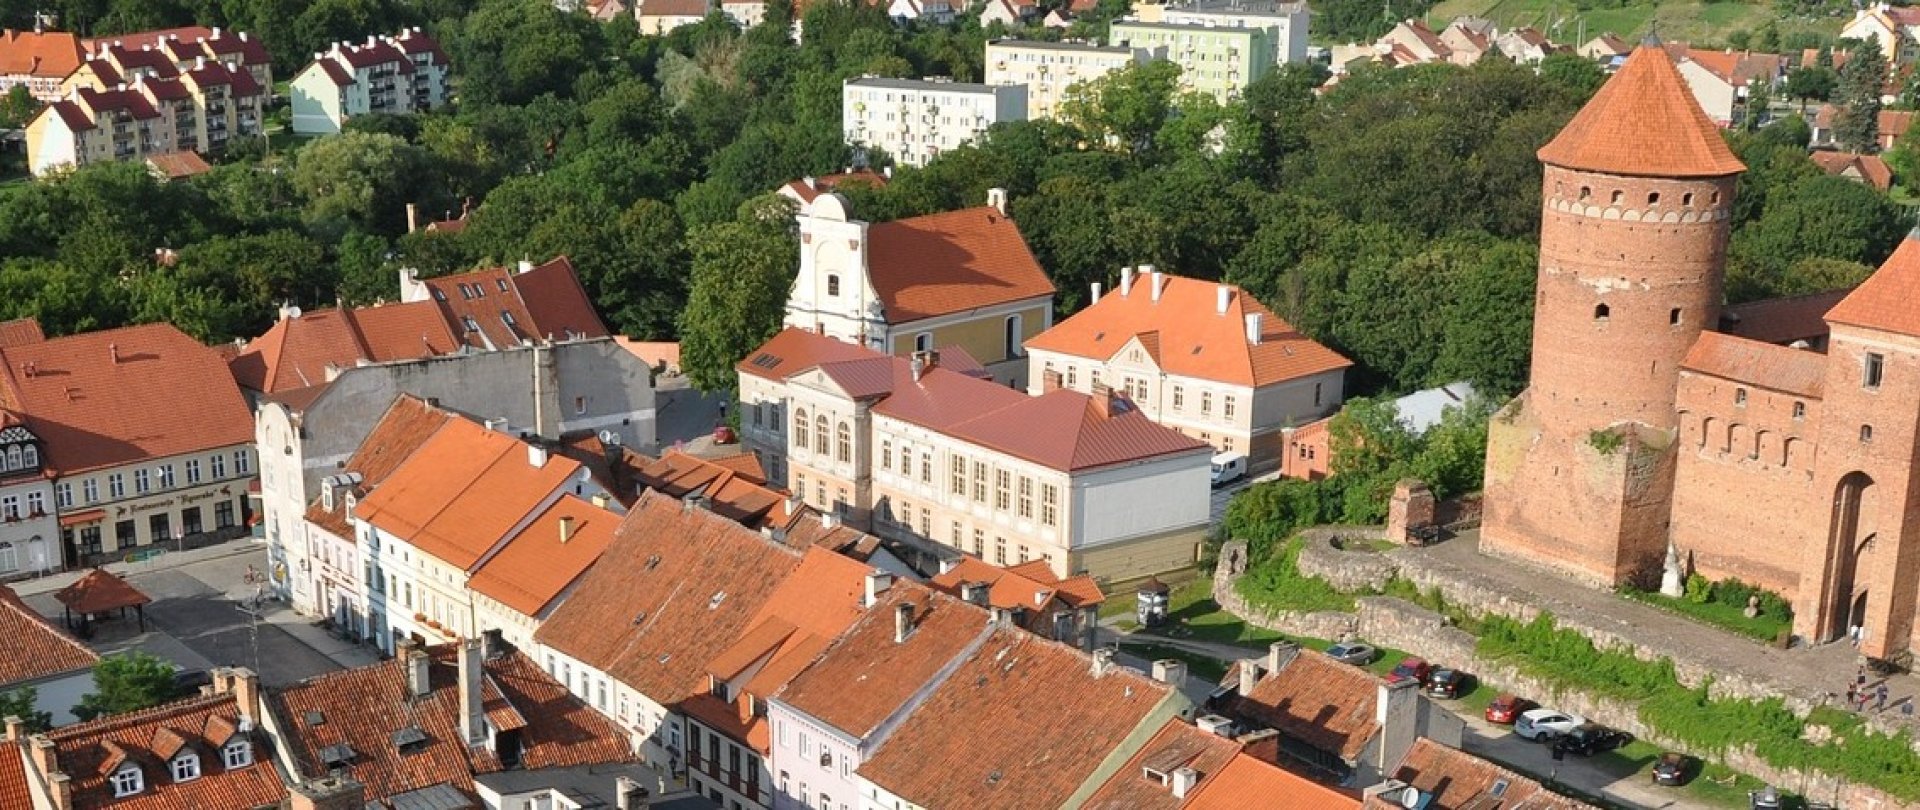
1544	724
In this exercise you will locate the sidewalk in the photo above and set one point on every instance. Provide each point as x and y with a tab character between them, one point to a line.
165	562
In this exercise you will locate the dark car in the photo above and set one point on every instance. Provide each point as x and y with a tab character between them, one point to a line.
1447	684
1410	669
1507	708
1588	739
189	681
1672	769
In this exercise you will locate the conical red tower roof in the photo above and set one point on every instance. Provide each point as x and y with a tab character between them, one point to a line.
1643	122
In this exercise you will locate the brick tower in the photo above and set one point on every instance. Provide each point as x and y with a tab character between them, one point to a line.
1635	203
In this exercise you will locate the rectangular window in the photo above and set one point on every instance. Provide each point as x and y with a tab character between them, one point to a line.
36	504
926	467
979	542
90	490
193	471
1228	407
886	455
1002	489
166	476
242	463
63	495
1180	398
999	551
980	481
1206	403
223	514
219	468
1875	371
1050	504
959	476
956	534
906	462
9	507
142	481
1026	497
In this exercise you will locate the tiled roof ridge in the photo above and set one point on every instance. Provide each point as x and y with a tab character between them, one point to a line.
12	601
139	717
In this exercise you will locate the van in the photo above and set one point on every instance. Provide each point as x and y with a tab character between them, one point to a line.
1228	468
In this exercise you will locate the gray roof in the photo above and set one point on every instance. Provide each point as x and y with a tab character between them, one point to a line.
438	797
921	85
1250	8
1075	47
1421	410
592	786
1194	27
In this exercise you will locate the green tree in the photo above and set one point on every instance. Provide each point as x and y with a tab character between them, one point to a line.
21	703
359	179
1576	73
1127	106
126	682
736	298
18	108
1816	217
1856	124
1815	83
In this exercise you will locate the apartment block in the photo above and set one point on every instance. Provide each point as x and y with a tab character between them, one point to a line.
1217	60
200	109
398	75
1285	23
1048	69
915	119
167	53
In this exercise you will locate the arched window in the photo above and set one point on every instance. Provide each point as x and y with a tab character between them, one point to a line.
33	456
1618	195
1586	193
1012	336
1673	316
1653	198
1866	434
1740	397
1687	199
821	434
843	448
833	284
800	428
15	459
1601	312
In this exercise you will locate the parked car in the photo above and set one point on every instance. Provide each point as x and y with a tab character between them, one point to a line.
1410	668
1766	798
1447	684
1543	725
1588	739
189	681
1228	468
1506	708
1358	655
1673	768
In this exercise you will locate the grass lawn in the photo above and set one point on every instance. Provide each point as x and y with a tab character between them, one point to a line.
1276	582
1678	20
1765	628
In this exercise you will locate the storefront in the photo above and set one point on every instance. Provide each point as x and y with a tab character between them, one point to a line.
142	527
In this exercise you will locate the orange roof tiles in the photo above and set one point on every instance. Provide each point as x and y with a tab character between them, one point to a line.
1022	722
176	165
808	188
1458	779
690	582
91	397
1885	301
1643	122
458	496
408	423
1188	336
99	591
1030	585
925	267
1869	169
508	307
45	55
32	647
20	331
739	496
362	708
865	676
793	350
1246	781
1781	320
14	791
1314	699
536	565
1177	745
89	752
1793	371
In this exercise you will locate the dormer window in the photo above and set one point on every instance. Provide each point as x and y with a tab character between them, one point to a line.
439	294
127	781
186	767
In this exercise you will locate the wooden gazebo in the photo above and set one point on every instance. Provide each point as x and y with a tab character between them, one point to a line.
98	594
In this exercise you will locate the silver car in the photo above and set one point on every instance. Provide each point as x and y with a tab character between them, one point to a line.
1546	724
1358	655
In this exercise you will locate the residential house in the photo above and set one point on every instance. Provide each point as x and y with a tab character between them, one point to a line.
1054	724
605	11
1605	48
519	586
127	54
1469	38
938	12
1009	13
962	278
395	75
112	111
805	189
1525	46
172	166
37	654
744	13
1048	69
1214	60
1205	359
1890	124
1868	169
29	534
1416	38
177	475
1030	595
1896	28
469	724
38	60
205	751
1188	767
1285	22
914	120
660	17
1722	80
1332	718
1436	775
925	453
1307	452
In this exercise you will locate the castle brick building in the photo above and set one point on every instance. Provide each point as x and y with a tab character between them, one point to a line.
1642	427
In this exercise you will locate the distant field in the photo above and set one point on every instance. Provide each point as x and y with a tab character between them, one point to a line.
1678	21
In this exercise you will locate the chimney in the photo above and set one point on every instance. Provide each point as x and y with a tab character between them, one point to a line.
492	645
536	456
1170	671
1096	293
216	32
923	362
60	791
1184	778
525	265
199	63
113	351
809	182
1159	280
327	793
289	312
1126	281
829	519
472	715
413	217
1398	713
878	582
1222	297
1215	724
997	199
601	500
418	684
566	529
45	757
1249	675
628	794
1280	654
975	592
497	424
16	728
1102	661
245	686
1253	329
902	622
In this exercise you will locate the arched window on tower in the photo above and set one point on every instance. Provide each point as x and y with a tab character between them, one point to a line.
1653	198
1687	199
1586	193
1601	312
1618	195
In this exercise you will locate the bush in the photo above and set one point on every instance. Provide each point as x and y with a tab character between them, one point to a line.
1277	583
1699	590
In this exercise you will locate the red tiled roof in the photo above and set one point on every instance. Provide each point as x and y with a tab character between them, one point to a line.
808	188
1194	339
412	41
103	101
1885	301
237	78
296	351
925	267
741	498
458	496
176	165
1793	371
362	708
20	331
1068	430
1314	699
1023	722
90	752
99	591
372	53
544	301
688	586
32	647
1891	124
536	565
1869	169
675	8
340	76
91	397
14	791
865	676
408	423
70	114
1643	122
1177	745
1030	586
1736	68
1246	781
795	349
1457	779
1781	320
188	40
47	55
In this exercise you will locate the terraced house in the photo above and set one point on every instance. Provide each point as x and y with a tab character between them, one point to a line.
399	74
37	60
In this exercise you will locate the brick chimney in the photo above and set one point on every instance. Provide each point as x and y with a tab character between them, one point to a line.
244	685
328	793
417	664
472	714
566	529
44	756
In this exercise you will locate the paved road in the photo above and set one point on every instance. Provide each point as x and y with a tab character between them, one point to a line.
682	413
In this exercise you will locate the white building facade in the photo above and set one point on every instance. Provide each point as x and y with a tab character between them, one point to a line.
1048	69
914	120
29	534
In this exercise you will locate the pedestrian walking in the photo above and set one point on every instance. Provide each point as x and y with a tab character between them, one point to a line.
1860	678
1880	698
1852	691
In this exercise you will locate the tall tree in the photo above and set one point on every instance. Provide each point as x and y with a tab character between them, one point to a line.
126	682
21	703
1856	125
742	272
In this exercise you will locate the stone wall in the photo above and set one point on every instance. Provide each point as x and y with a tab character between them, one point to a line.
1319	624
1349	571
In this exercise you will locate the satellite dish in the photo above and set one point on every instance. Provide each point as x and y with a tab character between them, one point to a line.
1410	798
